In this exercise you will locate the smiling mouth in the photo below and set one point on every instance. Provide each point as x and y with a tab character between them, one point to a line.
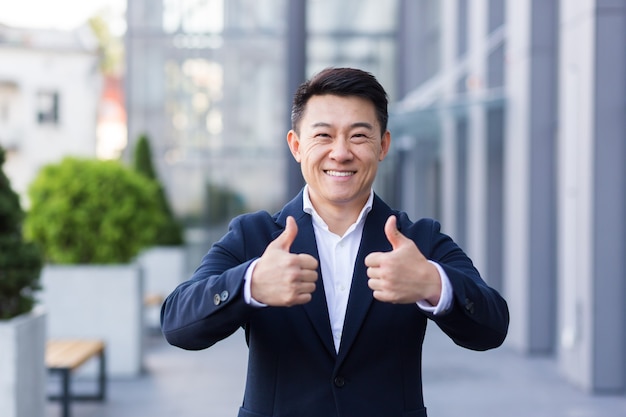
340	173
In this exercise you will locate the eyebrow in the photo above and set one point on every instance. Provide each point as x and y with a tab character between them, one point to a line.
353	125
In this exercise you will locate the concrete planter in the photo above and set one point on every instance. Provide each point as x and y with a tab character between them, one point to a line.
22	365
163	269
98	301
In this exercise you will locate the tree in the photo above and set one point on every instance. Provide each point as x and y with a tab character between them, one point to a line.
111	47
171	232
20	261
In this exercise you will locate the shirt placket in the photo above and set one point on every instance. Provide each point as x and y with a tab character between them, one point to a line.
342	280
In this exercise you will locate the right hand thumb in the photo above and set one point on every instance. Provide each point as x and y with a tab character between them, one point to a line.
288	235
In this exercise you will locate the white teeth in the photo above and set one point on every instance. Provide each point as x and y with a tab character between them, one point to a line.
340	173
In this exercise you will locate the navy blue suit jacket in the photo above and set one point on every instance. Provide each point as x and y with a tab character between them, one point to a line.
293	369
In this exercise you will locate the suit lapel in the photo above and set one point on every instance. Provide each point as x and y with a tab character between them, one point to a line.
361	298
317	308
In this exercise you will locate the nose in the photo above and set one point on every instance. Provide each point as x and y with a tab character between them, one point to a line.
341	150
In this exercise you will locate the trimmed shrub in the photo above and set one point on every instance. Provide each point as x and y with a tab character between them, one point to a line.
86	211
20	261
171	232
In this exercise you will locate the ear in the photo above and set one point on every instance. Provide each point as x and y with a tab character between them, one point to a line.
294	144
384	145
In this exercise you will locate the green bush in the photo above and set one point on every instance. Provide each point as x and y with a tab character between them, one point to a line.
20	262
171	232
86	211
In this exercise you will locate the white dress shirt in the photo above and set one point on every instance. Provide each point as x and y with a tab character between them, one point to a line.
337	259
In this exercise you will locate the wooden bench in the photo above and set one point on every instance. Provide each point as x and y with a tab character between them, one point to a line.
153	300
65	356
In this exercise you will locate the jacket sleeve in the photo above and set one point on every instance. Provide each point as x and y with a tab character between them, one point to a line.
210	305
479	317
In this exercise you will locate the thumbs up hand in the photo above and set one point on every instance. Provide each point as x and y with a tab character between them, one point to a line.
403	275
281	278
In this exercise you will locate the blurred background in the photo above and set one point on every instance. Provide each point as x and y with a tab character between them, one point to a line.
507	119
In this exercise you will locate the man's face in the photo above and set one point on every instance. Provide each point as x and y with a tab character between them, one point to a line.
339	148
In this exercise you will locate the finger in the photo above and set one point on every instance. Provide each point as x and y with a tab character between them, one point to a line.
373	259
301	299
374	284
307	262
308	276
288	235
393	234
307	288
372	272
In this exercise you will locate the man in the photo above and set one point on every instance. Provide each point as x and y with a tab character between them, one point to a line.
334	291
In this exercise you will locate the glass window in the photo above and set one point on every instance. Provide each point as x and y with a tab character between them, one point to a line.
8	94
48	107
4	111
193	16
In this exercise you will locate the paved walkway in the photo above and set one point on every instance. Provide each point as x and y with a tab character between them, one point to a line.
457	383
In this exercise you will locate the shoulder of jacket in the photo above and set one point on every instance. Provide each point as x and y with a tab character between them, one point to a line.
422	226
255	219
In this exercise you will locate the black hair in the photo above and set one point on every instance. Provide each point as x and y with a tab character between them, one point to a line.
344	82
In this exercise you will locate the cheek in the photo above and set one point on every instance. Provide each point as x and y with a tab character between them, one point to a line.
371	155
311	155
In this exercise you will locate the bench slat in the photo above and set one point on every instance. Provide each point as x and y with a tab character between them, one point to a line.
70	354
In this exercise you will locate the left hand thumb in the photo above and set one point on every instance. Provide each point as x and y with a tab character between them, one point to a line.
393	234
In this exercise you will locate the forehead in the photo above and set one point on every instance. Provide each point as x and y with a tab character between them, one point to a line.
338	110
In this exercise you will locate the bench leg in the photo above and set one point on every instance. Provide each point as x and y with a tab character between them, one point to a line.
65	392
102	377
100	394
66	396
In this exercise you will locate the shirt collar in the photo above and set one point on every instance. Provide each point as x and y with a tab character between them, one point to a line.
307	206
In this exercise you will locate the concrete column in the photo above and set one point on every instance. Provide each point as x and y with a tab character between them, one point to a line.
420	178
592	195
529	187
409	40
477	136
449	184
296	74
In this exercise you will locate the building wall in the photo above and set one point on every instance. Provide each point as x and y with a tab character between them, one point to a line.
592	195
530	131
35	127
530	180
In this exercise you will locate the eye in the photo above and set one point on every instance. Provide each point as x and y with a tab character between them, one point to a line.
321	136
359	138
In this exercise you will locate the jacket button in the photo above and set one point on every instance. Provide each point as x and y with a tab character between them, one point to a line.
224	295
339	381
217	299
469	306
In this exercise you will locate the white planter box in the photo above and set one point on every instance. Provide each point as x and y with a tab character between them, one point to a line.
163	269
98	301
22	365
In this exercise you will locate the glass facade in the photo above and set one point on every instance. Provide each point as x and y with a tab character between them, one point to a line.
354	33
202	79
205	80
